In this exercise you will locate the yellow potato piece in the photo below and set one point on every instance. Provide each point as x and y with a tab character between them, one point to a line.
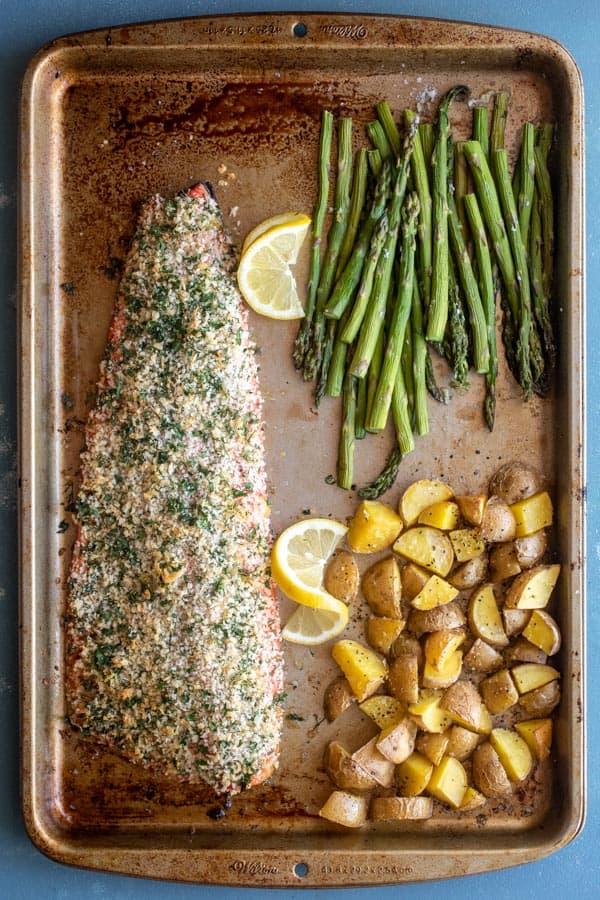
448	782
421	494
373	527
472	799
392	809
513	753
530	676
543	632
384	710
466	544
444	677
345	808
364	669
532	589
412	776
444	515
435	592
428	713
537	733
427	547
533	514
382	632
485	618
440	645
432	745
499	692
397	742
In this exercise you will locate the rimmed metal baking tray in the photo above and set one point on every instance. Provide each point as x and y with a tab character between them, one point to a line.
112	115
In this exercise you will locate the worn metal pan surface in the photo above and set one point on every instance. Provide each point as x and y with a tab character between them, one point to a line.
110	116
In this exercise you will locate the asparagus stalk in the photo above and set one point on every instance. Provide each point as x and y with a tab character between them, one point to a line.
401	312
438	307
386	119
357	203
312	361
461	184
350	277
379	139
419	361
401	416
375	162
488	297
481	356
361	409
327	345
337	366
302	341
499	117
366	281
427	138
406	364
544	186
385	479
372	378
540	300
481	128
418	167
375	313
439	394
457	352
526	180
520	258
345	472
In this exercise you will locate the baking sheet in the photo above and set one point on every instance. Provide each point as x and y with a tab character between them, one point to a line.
111	116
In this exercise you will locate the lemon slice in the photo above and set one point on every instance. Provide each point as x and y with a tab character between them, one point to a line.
264	275
314	626
299	557
286	218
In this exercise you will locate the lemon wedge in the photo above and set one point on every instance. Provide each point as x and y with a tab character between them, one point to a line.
286	218
264	275
299	557
310	626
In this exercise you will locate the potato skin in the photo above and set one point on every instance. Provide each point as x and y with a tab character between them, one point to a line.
440	618
382	588
342	577
530	550
515	481
345	772
338	697
489	775
541	701
498	523
470	573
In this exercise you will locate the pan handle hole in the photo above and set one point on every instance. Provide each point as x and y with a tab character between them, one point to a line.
300	30
301	870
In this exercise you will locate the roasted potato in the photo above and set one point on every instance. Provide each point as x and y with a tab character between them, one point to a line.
489	775
342	577
515	620
412	776
466	543
484	617
444	676
504	562
436	592
531	549
445	617
498	523
541	701
481	657
403	678
397	742
373	527
444	515
345	808
384	710
413	578
537	733
373	762
532	589
432	745
448	782
471	507
543	632
461	742
532	514
440	645
338	697
345	772
515	481
464	704
469	574
472	799
427	547
513	753
529	676
419	495
382	632
382	588
523	651
427	712
390	809
365	670
407	645
499	692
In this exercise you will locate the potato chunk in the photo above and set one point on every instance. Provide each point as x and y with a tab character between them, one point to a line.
444	515
541	701
445	676
403	678
483	658
384	710
397	742
365	670
532	589
515	481
471	507
448	782
461	742
498	522
389	809
499	692
436	592
463	703
537	733
484	617
342	577
530	676
489	774
532	514
373	762
513	753
382	588
427	547
382	632
373	527
543	631
412	776
427	712
470	573
345	772
413	578
419	495
345	808
338	697
466	543
440	645
446	616
432	745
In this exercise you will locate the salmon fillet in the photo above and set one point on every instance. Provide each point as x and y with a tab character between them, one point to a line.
172	631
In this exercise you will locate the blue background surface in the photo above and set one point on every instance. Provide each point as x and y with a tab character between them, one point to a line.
25	25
